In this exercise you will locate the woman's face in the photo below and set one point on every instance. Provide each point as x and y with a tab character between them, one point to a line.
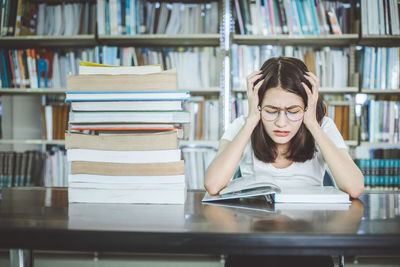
281	103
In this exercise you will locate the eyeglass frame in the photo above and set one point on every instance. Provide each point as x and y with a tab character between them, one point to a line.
282	109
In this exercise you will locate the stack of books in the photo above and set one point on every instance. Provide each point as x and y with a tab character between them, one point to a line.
123	136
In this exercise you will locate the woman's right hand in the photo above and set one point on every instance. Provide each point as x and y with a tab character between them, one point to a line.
254	114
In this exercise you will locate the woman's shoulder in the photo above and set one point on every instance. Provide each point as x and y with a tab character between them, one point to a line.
234	128
327	123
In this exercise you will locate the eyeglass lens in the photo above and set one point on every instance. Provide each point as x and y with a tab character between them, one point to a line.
293	113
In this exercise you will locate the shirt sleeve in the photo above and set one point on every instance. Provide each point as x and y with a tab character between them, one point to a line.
234	128
329	127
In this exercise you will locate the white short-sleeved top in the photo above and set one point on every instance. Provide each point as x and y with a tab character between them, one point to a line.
297	174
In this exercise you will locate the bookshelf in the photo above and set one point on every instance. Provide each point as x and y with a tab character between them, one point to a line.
224	39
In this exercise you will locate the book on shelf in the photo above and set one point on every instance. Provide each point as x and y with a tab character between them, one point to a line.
137	17
380	17
283	17
20	17
54	120
379	121
250	186
379	67
380	167
131	142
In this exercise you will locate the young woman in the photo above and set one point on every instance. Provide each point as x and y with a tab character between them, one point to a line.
286	136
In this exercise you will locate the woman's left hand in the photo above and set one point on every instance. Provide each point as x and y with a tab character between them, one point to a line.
310	116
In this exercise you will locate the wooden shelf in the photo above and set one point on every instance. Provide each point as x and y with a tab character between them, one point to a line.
309	40
35	41
27	91
380	91
32	142
379	40
160	40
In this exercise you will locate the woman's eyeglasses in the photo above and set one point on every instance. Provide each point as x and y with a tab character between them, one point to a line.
271	113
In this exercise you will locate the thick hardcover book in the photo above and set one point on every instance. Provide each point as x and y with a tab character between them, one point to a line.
126	105
113	96
165	81
126	127
150	196
130	117
128	169
139	141
245	187
152	156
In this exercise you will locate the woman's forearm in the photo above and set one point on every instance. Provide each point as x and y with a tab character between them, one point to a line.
347	175
227	160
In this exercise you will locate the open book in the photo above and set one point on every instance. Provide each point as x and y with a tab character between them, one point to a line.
245	187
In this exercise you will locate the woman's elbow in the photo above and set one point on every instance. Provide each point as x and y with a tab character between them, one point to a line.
357	189
211	189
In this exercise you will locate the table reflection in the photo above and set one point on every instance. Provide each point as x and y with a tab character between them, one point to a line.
309	219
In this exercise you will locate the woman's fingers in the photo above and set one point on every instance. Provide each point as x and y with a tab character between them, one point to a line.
251	79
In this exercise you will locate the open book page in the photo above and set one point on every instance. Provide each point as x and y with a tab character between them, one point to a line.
247	183
261	191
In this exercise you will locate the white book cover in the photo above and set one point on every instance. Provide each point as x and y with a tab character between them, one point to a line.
92	178
126	95
127	186
101	18
312	194
124	156
85	195
126	105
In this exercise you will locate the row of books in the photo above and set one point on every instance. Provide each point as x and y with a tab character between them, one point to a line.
380	17
379	121
196	162
33	168
23	17
66	19
380	67
139	163
204	117
340	113
137	16
37	68
329	64
381	173
293	17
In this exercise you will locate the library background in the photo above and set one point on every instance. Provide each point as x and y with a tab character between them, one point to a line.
352	46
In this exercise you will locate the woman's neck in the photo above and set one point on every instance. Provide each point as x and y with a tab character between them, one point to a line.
282	150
